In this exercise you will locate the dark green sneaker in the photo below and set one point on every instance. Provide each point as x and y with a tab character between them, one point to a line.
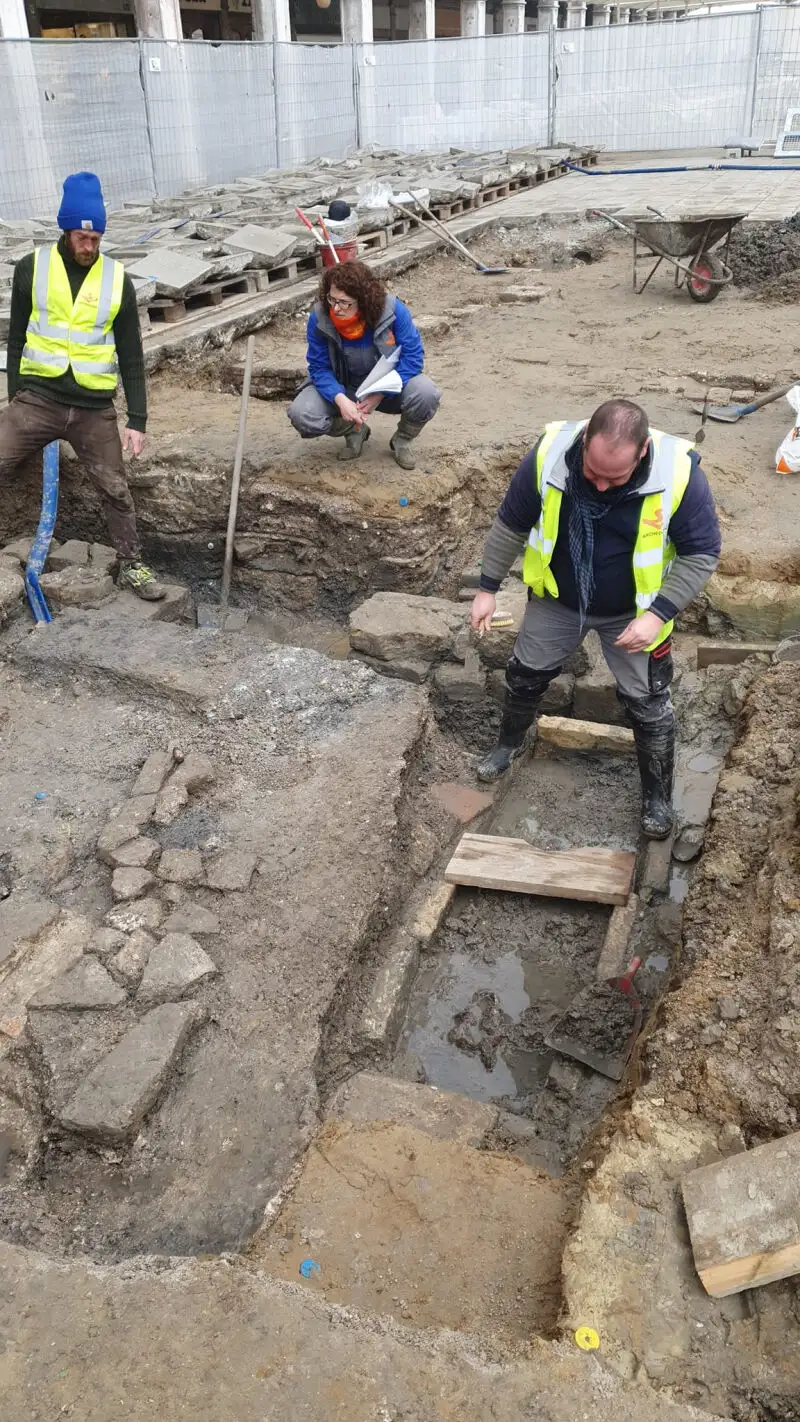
141	581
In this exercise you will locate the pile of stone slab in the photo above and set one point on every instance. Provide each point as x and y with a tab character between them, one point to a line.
131	984
79	574
175	247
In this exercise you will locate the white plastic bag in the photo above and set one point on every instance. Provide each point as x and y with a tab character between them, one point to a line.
787	455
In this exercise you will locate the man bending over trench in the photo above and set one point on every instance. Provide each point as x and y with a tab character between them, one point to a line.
620	534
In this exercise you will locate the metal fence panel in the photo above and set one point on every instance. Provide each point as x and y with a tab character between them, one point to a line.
487	92
649	86
67	105
316	102
210	110
778	82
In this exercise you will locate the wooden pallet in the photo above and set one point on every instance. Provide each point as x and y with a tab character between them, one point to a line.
212	293
270	278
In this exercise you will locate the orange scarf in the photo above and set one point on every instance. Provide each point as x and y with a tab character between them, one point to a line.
350	328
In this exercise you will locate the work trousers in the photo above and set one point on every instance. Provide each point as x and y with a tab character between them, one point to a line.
31	422
313	416
551	632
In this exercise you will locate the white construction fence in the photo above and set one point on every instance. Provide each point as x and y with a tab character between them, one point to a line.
154	118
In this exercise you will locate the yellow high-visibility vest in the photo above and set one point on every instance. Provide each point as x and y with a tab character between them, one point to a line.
63	333
661	495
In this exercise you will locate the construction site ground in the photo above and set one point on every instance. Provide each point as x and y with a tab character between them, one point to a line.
359	1185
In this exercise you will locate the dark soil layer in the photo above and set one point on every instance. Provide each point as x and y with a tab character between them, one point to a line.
762	251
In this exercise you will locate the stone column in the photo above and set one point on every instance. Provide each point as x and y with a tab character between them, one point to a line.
158	19
473	18
271	20
601	15
513	17
576	15
356	21
422	19
547	18
13	20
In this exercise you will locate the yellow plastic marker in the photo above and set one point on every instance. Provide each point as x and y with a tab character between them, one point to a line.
587	1339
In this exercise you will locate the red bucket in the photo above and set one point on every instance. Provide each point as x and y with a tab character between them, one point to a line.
348	252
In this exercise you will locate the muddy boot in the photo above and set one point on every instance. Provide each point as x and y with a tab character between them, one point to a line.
141	581
524	690
400	443
355	438
655	751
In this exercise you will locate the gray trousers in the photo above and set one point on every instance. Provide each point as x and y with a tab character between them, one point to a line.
312	416
551	632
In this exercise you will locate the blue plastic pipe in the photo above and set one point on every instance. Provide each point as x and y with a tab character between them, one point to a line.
44	534
687	168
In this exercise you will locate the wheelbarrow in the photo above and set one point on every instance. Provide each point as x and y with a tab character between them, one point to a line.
691	244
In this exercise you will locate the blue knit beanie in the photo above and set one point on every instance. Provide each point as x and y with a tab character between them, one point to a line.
82	208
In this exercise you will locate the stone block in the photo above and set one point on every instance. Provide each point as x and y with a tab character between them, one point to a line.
387	999
76	553
269	245
146	913
12	589
571	734
130	962
519	295
106	942
454	683
559	694
181	866
400	669
757	609
173	272
170	803
77	587
595	696
112	1102
175	966
392	626
140	853
230	871
495	647
86	986
195	772
175	606
124	826
431	912
21	548
193	919
615	952
153	773
788	650
129	884
44	954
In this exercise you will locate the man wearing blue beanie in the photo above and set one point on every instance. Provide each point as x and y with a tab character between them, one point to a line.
74	328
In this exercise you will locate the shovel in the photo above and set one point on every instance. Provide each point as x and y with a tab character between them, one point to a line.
445	232
224	618
729	414
601	1025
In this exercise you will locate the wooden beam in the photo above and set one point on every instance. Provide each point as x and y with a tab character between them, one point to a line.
744	1217
729	654
485	861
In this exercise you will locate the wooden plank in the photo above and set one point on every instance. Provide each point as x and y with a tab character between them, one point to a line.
486	861
572	734
744	1217
729	654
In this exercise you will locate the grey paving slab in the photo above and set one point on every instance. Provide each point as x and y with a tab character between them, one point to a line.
763	196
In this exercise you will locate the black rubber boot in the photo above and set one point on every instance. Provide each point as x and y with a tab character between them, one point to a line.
655	751
524	690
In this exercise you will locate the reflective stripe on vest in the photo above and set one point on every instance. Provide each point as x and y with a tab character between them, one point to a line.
661	495
63	333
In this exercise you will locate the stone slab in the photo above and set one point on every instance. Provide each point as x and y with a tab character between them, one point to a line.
153	773
77	587
388	996
53	952
143	913
12	588
269	245
175	606
76	553
614	954
139	853
130	962
22	919
85	986
391	625
571	734
112	1102
230	871
193	919
130	884
175	966
181	866
195	771
173	272
431	912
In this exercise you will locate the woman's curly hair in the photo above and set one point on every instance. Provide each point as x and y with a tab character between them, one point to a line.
357	281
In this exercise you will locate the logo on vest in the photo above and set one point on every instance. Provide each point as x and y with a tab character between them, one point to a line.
657	523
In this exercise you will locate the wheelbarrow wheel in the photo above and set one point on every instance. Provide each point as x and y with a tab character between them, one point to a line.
705	275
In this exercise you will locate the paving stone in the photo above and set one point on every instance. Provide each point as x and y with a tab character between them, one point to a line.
77	587
231	870
572	734
182	866
462	801
196	772
76	553
173	272
520	294
12	588
87	985
453	682
145	913
112	1102
173	894
393	626
124	826
175	966
269	245
130	962
21	548
172	800
38	959
106	942
192	918
153	773
130	884
140	853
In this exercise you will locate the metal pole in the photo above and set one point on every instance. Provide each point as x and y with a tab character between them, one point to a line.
552	83
756	67
356	54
